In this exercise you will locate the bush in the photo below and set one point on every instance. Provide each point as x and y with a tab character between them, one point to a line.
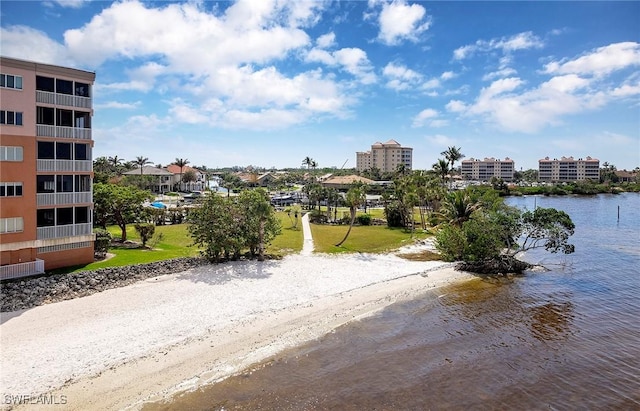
364	219
145	230
451	242
102	242
394	213
317	217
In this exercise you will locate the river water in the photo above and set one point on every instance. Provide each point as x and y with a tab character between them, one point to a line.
563	339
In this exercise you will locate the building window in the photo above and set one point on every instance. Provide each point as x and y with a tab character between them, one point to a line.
46	184
11	117
11	153
64	117
46	116
82	119
82	183
64	184
63	151
46	217
82	89
45	84
11	81
10	189
64	216
81	215
81	151
11	225
64	87
46	150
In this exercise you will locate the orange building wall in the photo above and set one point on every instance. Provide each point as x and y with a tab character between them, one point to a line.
67	258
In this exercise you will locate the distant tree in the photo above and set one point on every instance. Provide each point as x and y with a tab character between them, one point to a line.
120	204
180	162
441	168
260	224
307	161
189	177
355	197
452	154
145	231
608	173
141	162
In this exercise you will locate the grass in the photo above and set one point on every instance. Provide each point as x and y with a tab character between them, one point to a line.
176	242
363	239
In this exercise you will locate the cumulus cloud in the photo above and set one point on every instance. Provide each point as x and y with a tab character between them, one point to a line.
118	105
352	60
399	21
520	41
400	77
34	45
599	62
423	116
440	140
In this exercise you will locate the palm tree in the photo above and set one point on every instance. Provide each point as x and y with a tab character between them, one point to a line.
442	169
308	161
116	164
354	198
458	206
452	154
141	162
181	162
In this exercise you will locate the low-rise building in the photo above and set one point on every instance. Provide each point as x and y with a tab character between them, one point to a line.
483	170
568	169
386	157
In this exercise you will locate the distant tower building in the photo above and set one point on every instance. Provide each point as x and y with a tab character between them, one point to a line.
483	170
568	169
46	167
386	157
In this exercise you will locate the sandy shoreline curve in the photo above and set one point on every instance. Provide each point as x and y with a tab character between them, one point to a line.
123	347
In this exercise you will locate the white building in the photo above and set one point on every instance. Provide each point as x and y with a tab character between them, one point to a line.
568	169
386	157
483	170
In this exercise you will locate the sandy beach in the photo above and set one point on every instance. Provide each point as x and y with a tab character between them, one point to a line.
123	347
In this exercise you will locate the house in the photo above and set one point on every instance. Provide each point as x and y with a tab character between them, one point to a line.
160	178
46	167
199	184
260	180
345	182
625	176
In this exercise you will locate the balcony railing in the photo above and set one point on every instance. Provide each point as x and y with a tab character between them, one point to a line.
70	230
48	97
50	199
44	130
21	269
65	165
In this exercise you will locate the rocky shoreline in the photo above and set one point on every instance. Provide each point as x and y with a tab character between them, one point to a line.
31	292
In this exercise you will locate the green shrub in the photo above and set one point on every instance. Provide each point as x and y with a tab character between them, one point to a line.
102	242
364	219
145	231
394	214
451	242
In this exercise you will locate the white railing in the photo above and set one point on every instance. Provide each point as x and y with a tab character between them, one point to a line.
43	130
64	165
22	269
69	230
49	199
48	97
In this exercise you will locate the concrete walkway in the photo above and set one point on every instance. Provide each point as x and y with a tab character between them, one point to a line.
307	245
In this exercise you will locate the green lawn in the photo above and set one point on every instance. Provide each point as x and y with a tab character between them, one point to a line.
363	239
176	242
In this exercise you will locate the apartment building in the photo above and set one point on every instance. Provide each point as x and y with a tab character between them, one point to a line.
483	170
386	157
46	168
568	169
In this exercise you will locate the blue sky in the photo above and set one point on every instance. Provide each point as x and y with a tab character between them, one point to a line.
268	83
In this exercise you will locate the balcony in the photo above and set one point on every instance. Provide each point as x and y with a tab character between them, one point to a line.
47	97
44	130
21	269
69	230
85	166
52	199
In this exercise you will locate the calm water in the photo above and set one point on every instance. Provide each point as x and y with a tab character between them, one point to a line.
568	338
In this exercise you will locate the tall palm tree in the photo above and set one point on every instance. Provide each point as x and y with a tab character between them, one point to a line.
452	154
141	162
116	164
458	206
355	197
308	161
442	169
181	162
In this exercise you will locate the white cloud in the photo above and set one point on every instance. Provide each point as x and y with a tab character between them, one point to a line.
437	123
30	44
520	41
599	62
447	75
505	72
400	77
456	106
352	60
74	4
399	21
118	105
426	114
440	140
326	40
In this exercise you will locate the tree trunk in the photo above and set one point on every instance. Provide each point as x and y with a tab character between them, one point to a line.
261	240
353	219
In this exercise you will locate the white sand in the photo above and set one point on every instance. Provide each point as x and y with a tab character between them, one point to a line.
121	347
